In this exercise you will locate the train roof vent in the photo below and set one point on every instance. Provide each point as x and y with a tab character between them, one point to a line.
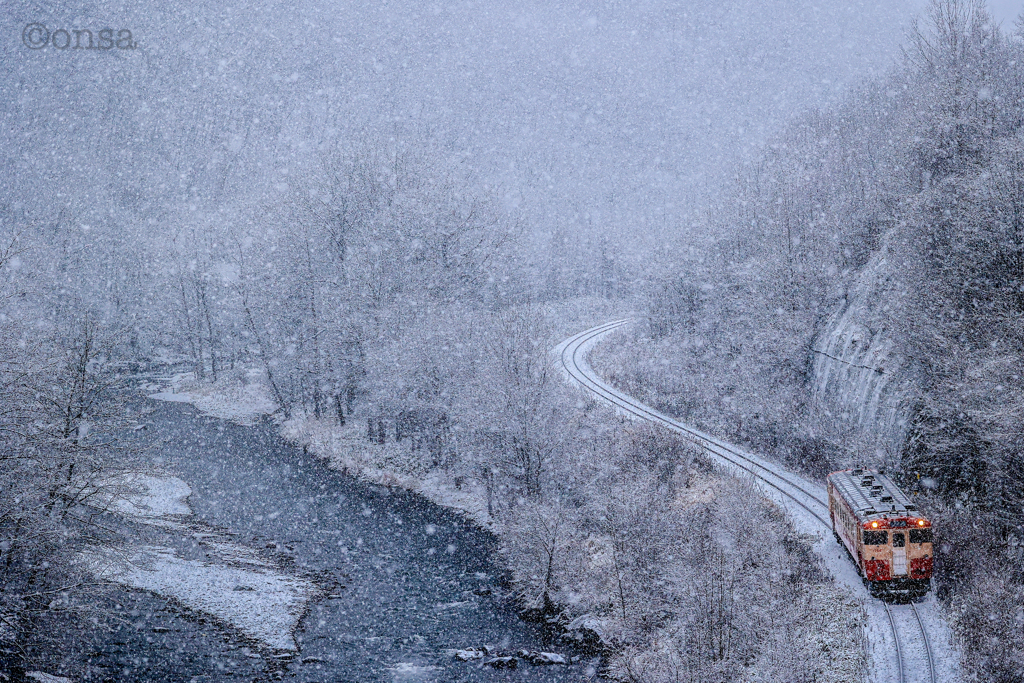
858	471
910	507
886	499
875	490
867	481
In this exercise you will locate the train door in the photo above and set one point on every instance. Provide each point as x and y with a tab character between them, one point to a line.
899	553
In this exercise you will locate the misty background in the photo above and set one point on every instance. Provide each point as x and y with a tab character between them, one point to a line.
592	121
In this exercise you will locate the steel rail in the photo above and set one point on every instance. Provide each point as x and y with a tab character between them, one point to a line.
927	644
703	439
896	637
573	359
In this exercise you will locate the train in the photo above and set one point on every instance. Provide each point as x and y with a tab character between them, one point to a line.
888	539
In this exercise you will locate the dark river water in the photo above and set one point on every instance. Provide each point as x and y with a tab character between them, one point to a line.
407	581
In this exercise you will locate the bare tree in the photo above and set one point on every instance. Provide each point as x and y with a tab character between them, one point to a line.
526	430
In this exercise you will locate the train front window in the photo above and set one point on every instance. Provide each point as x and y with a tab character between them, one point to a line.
920	535
876	537
899	540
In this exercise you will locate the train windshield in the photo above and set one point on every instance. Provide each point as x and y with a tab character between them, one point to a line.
876	537
899	539
920	535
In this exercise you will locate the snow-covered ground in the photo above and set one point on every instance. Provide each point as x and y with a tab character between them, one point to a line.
159	500
409	672
239	396
259	602
231	582
881	648
46	678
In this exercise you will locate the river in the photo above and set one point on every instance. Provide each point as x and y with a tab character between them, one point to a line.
406	581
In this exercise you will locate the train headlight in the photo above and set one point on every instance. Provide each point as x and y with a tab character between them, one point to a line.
874	525
920	522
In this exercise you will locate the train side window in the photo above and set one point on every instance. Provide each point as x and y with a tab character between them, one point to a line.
876	537
899	540
920	535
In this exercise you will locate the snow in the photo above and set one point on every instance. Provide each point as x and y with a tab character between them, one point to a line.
159	498
408	672
543	658
347	449
46	678
234	584
172	397
237	396
944	647
242	397
7	631
260	603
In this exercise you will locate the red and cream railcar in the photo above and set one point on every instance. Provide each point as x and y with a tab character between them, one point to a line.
882	530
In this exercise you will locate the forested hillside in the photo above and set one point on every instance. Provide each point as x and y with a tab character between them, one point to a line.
866	308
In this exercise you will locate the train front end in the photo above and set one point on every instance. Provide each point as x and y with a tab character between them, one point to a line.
897	555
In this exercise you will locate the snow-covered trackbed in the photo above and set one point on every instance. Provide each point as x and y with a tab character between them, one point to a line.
910	658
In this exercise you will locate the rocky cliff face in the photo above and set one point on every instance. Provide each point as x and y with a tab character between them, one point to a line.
862	386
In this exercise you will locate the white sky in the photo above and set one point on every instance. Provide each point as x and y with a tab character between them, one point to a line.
1005	11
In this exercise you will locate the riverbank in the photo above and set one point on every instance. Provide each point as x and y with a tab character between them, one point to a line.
241	398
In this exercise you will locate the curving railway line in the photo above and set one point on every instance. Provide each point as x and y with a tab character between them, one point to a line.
914	661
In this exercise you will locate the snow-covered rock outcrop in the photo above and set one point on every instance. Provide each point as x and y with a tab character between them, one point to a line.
863	384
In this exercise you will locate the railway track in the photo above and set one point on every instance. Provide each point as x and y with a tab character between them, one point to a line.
914	660
913	652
